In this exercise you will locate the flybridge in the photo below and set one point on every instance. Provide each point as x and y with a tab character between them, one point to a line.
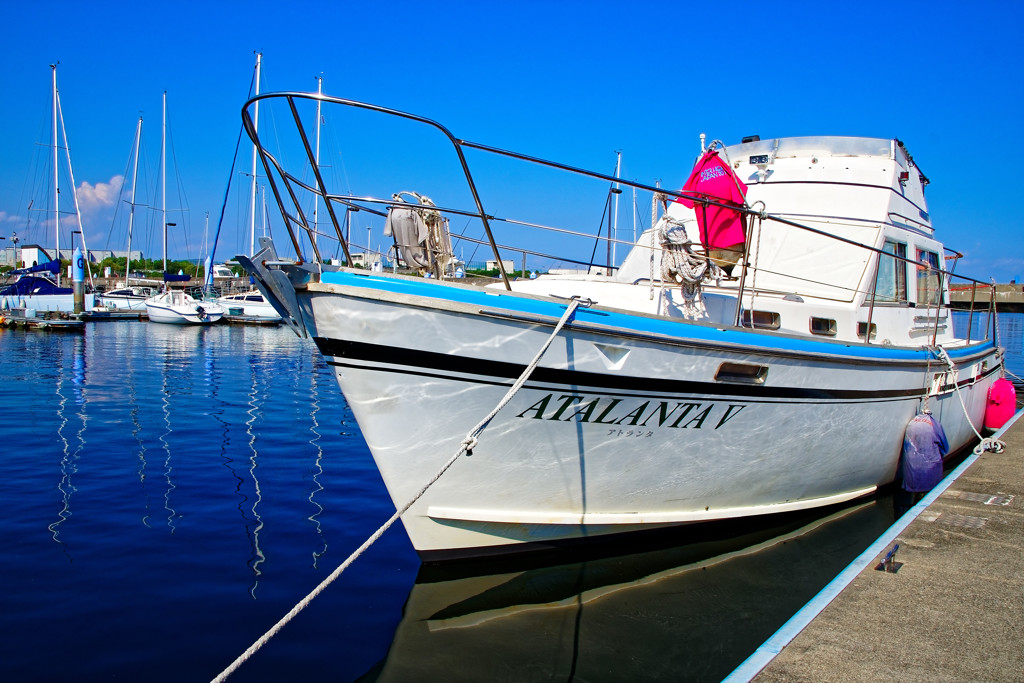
850	164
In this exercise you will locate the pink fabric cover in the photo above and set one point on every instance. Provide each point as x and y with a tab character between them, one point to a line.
713	179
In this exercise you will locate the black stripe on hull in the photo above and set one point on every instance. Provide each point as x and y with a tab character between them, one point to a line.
441	366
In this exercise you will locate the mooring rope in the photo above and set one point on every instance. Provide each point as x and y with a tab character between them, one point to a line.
985	443
466	446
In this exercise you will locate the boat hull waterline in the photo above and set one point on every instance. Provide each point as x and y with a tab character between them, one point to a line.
622	426
178	308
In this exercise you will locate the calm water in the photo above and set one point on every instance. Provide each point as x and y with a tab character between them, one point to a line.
167	494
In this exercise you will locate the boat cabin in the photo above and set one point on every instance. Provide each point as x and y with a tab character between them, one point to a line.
853	258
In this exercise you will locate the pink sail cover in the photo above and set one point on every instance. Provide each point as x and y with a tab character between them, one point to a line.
713	179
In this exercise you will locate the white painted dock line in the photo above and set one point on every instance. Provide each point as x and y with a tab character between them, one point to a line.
761	657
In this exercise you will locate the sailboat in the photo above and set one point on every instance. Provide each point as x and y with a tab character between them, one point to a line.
175	306
38	287
129	297
250	305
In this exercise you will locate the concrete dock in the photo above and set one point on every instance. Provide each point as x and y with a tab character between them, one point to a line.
1008	298
951	611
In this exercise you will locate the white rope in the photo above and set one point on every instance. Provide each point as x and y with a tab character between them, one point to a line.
985	443
680	264
466	446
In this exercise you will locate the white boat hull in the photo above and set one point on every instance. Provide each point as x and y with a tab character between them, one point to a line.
125	299
615	431
64	303
248	305
177	308
123	303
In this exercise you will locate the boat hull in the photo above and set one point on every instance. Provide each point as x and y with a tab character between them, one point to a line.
123	303
628	423
249	305
126	299
64	303
180	309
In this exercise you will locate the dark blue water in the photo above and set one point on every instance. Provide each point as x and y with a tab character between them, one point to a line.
167	494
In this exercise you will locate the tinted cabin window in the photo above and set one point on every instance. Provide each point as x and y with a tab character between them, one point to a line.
892	273
929	284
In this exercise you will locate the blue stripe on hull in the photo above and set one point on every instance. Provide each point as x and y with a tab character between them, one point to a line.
678	330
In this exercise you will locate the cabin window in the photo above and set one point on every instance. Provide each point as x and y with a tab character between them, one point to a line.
862	330
929	280
762	320
823	326
891	285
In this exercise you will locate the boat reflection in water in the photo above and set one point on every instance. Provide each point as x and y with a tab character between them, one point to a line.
689	612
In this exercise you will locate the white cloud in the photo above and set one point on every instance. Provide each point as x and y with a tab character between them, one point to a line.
9	218
100	196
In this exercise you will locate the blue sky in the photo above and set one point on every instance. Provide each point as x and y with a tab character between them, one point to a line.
571	81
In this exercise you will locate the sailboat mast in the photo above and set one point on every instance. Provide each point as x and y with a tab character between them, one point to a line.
131	210
56	190
74	192
634	215
615	216
252	188
316	196
163	178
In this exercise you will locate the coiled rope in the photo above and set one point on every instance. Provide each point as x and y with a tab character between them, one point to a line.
680	264
985	443
466	446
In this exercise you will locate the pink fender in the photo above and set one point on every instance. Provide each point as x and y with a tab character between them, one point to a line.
1002	402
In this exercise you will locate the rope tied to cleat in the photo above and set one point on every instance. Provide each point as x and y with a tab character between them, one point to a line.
985	443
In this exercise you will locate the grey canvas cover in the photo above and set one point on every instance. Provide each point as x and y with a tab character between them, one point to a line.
410	233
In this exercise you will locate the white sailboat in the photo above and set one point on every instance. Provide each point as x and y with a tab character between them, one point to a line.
129	297
175	306
39	287
251	305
